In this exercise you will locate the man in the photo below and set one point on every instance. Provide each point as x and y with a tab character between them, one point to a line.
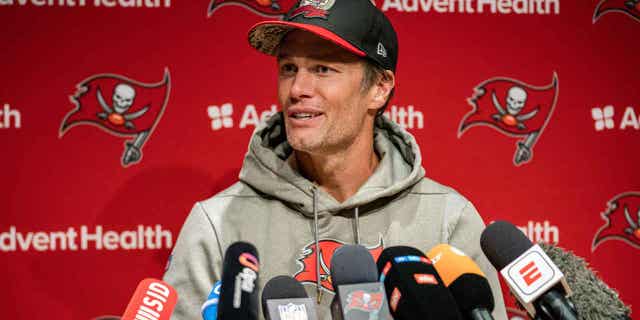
328	169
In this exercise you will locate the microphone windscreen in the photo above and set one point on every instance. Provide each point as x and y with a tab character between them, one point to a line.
593	298
239	295
281	287
413	286
466	282
352	264
502	243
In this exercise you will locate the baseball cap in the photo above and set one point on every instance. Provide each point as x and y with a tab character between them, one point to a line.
356	25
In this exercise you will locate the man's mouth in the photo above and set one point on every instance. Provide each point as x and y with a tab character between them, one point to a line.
305	115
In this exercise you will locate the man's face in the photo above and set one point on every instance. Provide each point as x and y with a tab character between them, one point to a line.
319	89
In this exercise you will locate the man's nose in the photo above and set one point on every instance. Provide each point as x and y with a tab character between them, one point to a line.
303	84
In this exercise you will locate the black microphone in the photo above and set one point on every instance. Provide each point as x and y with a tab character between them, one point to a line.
359	295
284	298
593	298
535	281
239	295
414	287
466	282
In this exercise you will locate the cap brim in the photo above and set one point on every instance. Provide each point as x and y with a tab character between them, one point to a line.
266	36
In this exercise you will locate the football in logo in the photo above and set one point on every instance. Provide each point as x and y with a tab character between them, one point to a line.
515	109
267	8
307	261
121	107
622	221
629	7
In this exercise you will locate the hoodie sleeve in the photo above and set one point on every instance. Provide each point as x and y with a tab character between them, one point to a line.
194	264
465	235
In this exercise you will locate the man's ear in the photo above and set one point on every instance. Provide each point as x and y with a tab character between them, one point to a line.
381	89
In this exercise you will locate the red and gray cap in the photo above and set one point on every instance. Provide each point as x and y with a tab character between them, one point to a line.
356	25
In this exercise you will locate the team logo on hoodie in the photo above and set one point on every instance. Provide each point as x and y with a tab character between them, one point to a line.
629	7
622	221
307	261
267	8
515	109
120	107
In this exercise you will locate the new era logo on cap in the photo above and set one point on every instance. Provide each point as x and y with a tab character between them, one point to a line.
381	50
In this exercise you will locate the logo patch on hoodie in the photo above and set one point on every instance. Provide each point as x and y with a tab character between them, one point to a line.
307	261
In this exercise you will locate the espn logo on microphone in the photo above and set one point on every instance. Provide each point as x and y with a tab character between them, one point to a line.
532	274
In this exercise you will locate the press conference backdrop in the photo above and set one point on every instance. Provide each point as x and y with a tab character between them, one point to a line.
117	115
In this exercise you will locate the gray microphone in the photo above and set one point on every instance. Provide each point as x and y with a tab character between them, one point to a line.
284	298
359	294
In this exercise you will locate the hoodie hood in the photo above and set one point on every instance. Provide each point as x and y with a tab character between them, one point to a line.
267	170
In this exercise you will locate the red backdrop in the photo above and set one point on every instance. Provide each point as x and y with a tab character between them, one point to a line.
59	190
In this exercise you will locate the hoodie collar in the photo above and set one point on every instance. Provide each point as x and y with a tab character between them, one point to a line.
267	170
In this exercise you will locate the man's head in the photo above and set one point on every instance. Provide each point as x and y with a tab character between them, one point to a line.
336	63
327	98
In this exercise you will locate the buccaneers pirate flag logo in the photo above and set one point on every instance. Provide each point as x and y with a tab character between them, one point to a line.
267	8
628	7
622	221
514	108
307	261
370	302
121	107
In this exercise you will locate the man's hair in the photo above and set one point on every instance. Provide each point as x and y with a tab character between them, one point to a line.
372	74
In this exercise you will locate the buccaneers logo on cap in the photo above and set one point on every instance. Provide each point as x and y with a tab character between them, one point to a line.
267	8
307	261
121	107
622	221
364	301
628	7
514	108
313	8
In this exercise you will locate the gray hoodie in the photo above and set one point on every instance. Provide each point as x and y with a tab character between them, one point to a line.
286	217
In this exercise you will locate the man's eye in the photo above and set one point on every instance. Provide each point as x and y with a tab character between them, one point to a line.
323	69
287	69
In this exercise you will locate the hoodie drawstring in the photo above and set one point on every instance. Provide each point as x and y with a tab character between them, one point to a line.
316	237
356	221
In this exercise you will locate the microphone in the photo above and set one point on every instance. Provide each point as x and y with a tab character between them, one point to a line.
284	298
153	299
359	295
414	287
535	281
466	282
593	298
210	307
239	295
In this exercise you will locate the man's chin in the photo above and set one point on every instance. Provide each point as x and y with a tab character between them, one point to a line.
303	143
